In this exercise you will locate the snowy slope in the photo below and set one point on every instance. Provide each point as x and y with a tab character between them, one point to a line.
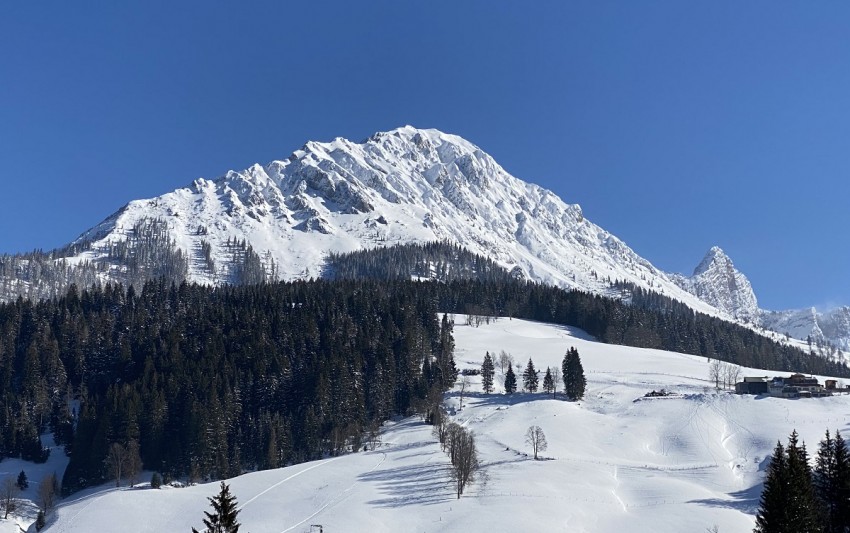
406	185
615	462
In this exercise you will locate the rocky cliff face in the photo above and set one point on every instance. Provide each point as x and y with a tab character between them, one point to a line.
717	282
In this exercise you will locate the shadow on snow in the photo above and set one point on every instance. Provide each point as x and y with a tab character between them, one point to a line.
423	484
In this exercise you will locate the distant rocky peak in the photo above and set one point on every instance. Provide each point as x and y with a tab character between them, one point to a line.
717	282
715	258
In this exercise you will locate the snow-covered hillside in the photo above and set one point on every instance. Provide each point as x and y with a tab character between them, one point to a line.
615	461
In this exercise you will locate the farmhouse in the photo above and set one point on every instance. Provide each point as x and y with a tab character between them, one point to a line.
793	386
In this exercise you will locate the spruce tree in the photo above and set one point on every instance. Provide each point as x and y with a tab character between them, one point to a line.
832	483
23	483
823	478
842	483
529	377
802	510
548	381
771	517
488	370
574	380
223	517
510	381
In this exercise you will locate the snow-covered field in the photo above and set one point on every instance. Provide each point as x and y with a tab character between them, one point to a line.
614	462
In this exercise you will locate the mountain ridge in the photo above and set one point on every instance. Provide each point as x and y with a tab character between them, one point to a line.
406	185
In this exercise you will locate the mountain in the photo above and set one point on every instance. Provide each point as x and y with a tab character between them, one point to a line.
403	186
717	282
284	220
832	326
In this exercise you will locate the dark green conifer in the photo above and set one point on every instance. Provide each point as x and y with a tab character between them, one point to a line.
488	370
548	381
573	371
529	377
222	519
510	381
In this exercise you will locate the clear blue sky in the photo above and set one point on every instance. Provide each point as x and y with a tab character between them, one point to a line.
676	125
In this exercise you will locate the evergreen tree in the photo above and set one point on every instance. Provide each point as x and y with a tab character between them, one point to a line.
510	381
831	479
445	353
788	503
488	370
23	483
841	509
802	509
573	372
223	517
548	381
771	517
529	377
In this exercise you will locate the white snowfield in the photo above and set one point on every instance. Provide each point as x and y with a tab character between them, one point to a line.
615	461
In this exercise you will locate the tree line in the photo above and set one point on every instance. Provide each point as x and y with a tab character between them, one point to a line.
214	381
207	383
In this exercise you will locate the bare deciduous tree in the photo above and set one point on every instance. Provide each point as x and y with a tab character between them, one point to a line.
115	461
460	445
535	438
464	384
133	462
731	374
47	492
373	434
9	497
505	361
715	372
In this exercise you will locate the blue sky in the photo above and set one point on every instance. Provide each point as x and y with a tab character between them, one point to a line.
676	125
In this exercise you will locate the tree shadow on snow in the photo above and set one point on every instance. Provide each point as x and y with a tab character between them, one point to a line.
423	484
746	501
483	400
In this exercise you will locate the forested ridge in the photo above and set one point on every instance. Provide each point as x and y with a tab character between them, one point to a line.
211	382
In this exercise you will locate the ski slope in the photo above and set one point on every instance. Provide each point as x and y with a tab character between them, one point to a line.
615	461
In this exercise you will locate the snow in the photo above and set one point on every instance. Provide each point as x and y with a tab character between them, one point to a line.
683	463
10	468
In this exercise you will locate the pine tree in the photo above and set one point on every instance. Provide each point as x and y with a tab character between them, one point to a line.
802	510
510	381
842	483
548	381
488	370
574	380
445	355
223	517
529	377
831	479
771	517
23	483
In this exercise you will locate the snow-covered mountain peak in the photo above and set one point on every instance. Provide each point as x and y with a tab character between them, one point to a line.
715	258
406	185
717	282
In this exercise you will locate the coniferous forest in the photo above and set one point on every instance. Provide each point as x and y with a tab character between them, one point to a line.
209	382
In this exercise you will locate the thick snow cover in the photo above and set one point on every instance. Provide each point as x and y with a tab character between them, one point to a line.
615	461
418	185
